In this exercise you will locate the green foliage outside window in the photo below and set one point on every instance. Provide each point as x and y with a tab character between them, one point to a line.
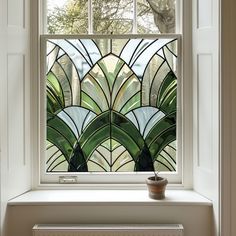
116	16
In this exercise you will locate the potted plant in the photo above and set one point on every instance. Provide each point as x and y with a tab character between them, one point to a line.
156	186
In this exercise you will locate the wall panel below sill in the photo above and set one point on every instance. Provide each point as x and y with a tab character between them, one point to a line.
196	217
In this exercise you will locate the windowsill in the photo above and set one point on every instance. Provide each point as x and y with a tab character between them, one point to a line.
108	197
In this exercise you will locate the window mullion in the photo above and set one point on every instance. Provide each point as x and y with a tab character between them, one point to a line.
135	17
178	17
90	17
44	12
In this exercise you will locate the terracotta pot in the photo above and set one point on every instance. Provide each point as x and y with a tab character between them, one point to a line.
156	187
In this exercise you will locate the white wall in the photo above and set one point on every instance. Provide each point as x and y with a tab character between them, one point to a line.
195	219
15	176
228	117
2	63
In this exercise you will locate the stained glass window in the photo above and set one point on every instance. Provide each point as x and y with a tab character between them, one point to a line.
111	104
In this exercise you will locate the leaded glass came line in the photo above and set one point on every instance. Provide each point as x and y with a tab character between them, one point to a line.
111	104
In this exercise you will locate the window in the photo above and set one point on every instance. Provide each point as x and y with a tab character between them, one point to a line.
111	98
106	17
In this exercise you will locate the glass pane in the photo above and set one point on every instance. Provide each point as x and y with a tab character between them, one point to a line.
67	16
71	16
111	104
112	16
156	16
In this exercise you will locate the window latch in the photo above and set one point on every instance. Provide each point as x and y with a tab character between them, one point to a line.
68	179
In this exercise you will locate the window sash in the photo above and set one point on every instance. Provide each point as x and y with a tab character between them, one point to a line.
108	177
178	14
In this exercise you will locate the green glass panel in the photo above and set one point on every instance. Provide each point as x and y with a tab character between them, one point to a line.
125	139
165	158
100	78
114	144
121	158
53	103
97	162
110	65
62	166
90	86
52	52
89	103
126	92
127	126
73	77
105	152
107	144
63	129
169	83
169	152
64	83
170	58
108	107
129	166
169	99
97	167
160	126
59	164
48	145
99	122
149	76
124	131
173	47
55	90
124	74
56	161
53	152
161	166
162	140
133	103
78	161
93	141
160	75
60	141
50	116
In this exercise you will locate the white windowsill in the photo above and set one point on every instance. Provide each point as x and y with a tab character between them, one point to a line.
108	197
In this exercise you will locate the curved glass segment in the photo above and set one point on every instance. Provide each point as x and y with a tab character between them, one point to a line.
111	104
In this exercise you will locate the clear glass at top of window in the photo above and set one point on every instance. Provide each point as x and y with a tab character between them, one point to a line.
67	17
156	16
113	16
107	17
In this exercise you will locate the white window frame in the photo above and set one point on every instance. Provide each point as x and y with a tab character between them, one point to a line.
184	177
